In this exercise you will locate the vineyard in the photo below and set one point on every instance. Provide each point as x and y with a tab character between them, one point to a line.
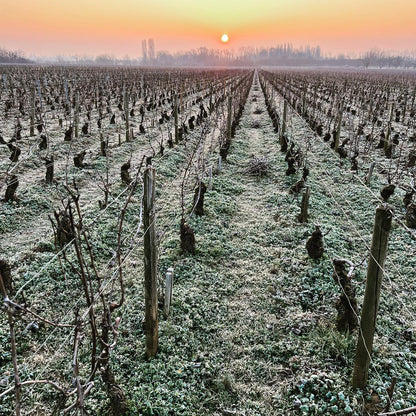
203	242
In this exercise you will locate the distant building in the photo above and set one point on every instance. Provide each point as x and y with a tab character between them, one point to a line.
144	50
151	49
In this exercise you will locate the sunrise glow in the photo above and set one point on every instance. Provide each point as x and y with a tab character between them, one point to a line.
224	38
47	27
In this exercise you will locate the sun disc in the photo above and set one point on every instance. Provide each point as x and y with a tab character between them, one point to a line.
224	38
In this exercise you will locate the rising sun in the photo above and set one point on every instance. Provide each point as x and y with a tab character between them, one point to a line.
224	38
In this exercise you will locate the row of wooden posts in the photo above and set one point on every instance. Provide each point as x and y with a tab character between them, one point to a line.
151	252
150	244
382	226
375	271
129	130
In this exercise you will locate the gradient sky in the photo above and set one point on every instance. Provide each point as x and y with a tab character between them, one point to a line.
67	27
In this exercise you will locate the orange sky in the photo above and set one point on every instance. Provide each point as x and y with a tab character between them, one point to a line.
51	27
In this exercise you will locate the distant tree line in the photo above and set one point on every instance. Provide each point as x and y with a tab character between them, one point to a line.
280	55
243	57
12	57
377	58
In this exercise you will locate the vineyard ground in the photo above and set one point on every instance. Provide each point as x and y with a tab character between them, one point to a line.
252	330
252	327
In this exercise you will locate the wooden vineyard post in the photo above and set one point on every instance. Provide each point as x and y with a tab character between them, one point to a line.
388	133
210	178
49	169
175	114
17	383
103	145
76	115
404	108
369	311
283	131
314	102
126	114
150	264
371	102
32	112
168	292
370	173
230	117
338	134
303	216
413	98
304	100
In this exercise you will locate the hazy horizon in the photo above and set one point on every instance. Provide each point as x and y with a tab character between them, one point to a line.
94	27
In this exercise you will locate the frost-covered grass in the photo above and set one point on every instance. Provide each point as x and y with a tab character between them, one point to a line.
252	326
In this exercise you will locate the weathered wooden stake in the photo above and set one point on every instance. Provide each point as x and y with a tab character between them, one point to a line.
168	292
388	132
338	135
32	112
17	385
150	264
76	114
175	114
103	146
229	117
314	102
370	173
210	178
371	102
304	100
369	311
303	216
49	169
284	121
17	388
404	108
126	114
